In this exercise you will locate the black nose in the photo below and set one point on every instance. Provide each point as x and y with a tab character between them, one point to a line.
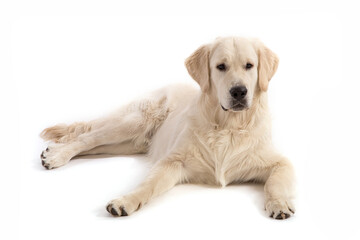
238	92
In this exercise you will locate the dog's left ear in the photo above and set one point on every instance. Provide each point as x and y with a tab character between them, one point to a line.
267	66
198	67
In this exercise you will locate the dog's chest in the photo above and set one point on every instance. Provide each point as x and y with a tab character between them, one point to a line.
221	152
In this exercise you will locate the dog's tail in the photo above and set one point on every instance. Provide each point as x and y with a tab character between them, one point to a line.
63	133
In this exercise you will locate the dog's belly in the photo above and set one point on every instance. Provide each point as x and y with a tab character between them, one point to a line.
167	137
179	99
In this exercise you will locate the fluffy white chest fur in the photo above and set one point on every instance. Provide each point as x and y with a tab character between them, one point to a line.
221	151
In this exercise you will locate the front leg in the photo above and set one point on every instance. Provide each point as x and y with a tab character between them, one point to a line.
279	188
165	175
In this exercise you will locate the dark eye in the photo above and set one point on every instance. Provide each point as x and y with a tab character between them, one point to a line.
221	67
248	66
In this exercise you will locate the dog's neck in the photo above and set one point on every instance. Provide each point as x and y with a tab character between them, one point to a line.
250	118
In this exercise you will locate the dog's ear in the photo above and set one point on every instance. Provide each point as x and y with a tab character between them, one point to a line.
267	66
198	67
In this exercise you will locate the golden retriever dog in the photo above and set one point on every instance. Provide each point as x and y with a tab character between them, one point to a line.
218	135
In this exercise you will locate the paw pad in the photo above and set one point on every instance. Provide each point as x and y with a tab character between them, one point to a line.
282	215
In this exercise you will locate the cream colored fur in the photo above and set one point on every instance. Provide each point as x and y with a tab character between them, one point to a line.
187	134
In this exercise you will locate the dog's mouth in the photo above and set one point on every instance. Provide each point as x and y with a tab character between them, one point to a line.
223	108
236	107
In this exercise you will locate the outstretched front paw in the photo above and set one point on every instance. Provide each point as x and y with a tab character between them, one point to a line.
123	206
279	208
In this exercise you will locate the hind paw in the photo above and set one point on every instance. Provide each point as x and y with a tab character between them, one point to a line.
53	157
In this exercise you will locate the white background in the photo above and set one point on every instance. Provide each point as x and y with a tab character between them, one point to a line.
65	61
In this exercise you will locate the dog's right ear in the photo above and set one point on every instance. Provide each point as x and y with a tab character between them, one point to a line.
198	67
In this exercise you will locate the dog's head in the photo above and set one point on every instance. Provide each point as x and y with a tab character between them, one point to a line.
234	69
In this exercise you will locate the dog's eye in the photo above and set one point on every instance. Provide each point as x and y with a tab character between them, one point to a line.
248	66
221	67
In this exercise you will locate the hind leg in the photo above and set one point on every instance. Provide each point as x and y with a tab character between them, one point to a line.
125	148
63	133
134	124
